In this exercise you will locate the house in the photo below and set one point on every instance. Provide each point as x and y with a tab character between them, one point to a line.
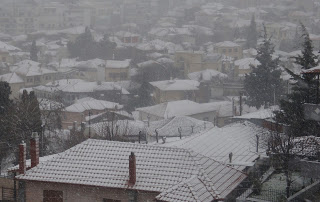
84	108
188	62
215	112
100	170
117	70
178	127
244	66
128	37
229	48
15	82
238	138
5	52
171	90
71	90
33	73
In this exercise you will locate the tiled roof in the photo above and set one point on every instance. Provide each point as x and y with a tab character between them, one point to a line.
218	143
159	169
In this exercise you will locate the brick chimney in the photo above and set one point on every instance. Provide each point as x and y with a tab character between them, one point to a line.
22	158
34	149
132	169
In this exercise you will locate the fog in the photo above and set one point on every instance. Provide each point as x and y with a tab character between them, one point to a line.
159	100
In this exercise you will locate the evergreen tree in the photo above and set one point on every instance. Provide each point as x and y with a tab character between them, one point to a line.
5	105
264	85
252	35
84	46
304	91
34	52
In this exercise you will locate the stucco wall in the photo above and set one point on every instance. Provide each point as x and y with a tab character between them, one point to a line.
76	193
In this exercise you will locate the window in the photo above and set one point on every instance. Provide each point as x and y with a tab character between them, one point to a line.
224	50
111	200
206	119
4	59
230	50
52	196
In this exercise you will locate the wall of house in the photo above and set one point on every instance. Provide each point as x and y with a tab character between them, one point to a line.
6	57
189	61
69	118
77	193
116	74
235	52
167	96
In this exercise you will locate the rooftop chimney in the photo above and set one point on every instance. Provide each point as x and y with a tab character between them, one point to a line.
22	158
34	149
132	169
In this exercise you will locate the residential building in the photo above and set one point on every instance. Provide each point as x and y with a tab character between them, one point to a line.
244	66
100	170
70	90
84	108
218	113
175	127
7	51
229	48
189	62
171	90
33	73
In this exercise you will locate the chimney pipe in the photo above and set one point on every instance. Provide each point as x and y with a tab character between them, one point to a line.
34	149
22	158
132	169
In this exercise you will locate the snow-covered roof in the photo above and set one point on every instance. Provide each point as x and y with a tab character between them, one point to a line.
218	143
207	75
159	45
187	107
260	114
11	78
173	85
78	86
226	44
30	68
158	169
169	127
92	104
8	48
126	34
95	63
246	63
28	162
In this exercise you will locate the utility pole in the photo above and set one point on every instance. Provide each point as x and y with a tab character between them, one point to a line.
240	100
89	124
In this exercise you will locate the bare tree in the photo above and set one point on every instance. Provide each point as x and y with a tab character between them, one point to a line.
286	150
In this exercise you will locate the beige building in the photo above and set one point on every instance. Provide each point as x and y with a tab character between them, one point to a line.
189	62
33	74
171	90
114	70
229	48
